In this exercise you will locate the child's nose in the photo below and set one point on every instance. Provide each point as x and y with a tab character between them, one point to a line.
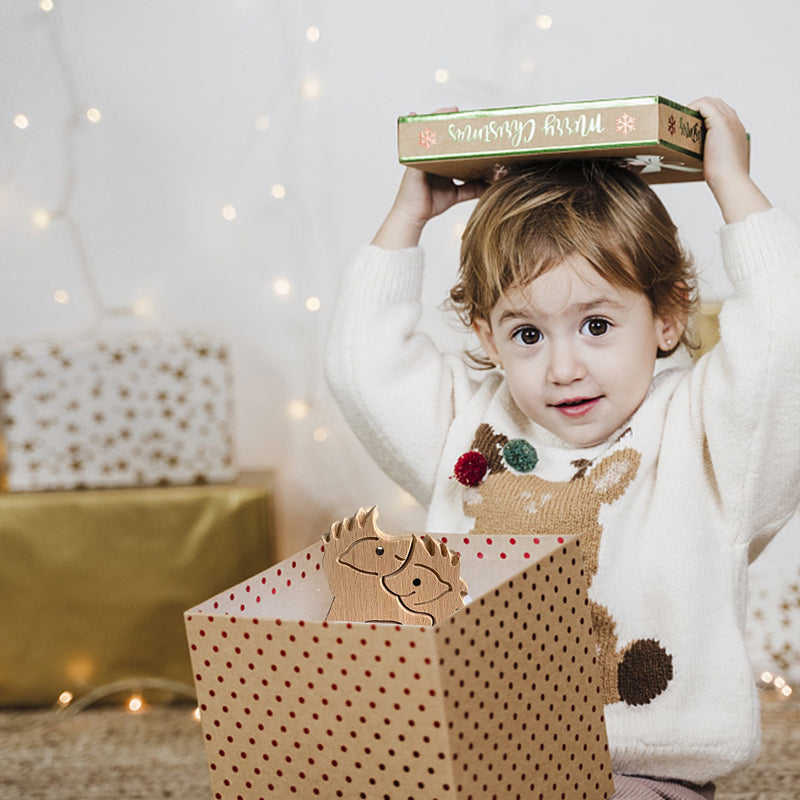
565	365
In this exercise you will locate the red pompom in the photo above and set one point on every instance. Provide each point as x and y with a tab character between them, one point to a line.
471	468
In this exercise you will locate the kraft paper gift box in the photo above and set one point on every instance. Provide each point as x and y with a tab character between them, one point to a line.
660	139
500	699
139	409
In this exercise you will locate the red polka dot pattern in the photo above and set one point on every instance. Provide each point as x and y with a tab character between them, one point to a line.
499	700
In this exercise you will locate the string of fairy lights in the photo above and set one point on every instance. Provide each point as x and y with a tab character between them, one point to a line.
63	212
306	90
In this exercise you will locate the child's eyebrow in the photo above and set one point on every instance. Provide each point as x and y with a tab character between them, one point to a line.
512	313
581	308
600	301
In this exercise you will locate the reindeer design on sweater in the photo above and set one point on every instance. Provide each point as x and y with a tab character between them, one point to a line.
503	500
407	580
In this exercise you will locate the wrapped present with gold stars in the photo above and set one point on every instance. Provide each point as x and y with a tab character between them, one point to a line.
139	409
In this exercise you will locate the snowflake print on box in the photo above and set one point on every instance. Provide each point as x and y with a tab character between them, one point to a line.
625	124
293	705
427	138
672	125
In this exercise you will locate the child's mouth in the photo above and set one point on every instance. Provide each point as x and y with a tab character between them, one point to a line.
578	406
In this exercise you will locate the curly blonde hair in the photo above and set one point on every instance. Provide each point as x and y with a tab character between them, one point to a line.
530	221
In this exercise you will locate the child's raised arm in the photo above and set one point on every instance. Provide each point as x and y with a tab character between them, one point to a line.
421	197
726	165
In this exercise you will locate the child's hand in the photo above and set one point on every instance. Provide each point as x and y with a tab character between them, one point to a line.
726	158
421	197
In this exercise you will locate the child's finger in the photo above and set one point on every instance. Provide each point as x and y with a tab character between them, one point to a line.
712	108
471	190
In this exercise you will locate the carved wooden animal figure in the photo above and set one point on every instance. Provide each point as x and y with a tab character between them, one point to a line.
429	581
526	503
357	556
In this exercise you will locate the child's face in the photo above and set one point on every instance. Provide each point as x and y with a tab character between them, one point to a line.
578	352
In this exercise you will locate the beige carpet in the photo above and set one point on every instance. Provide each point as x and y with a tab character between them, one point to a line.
111	754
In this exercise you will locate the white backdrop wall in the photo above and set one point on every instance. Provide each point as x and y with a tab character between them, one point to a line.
282	115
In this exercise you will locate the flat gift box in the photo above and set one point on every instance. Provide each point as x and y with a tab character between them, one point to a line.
661	139
128	410
500	699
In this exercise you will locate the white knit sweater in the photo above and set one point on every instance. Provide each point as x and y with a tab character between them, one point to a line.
670	509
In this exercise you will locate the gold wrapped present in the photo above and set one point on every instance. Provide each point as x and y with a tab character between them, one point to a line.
93	584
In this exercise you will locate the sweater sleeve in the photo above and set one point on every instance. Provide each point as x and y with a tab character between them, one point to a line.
396	389
746	392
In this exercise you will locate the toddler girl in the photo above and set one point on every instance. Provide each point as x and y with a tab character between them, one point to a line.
587	421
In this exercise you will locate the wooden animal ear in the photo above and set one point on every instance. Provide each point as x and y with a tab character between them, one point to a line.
363	519
429	543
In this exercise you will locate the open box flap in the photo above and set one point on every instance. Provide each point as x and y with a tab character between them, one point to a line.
298	589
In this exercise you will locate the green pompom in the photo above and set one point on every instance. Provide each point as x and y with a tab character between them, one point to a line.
520	455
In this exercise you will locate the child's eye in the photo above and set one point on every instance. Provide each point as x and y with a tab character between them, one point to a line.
596	326
527	335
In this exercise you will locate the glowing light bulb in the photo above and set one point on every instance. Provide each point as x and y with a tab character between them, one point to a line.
65	698
46	5
21	121
441	76
144	306
298	410
93	114
262	122
767	677
786	691
281	287
779	682
313	304
278	191
135	704
229	212
544	21
312	34
41	218
310	88
320	434
60	296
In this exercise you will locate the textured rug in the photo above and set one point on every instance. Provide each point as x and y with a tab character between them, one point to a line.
111	754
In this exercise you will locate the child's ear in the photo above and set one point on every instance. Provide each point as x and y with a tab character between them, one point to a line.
483	330
669	329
